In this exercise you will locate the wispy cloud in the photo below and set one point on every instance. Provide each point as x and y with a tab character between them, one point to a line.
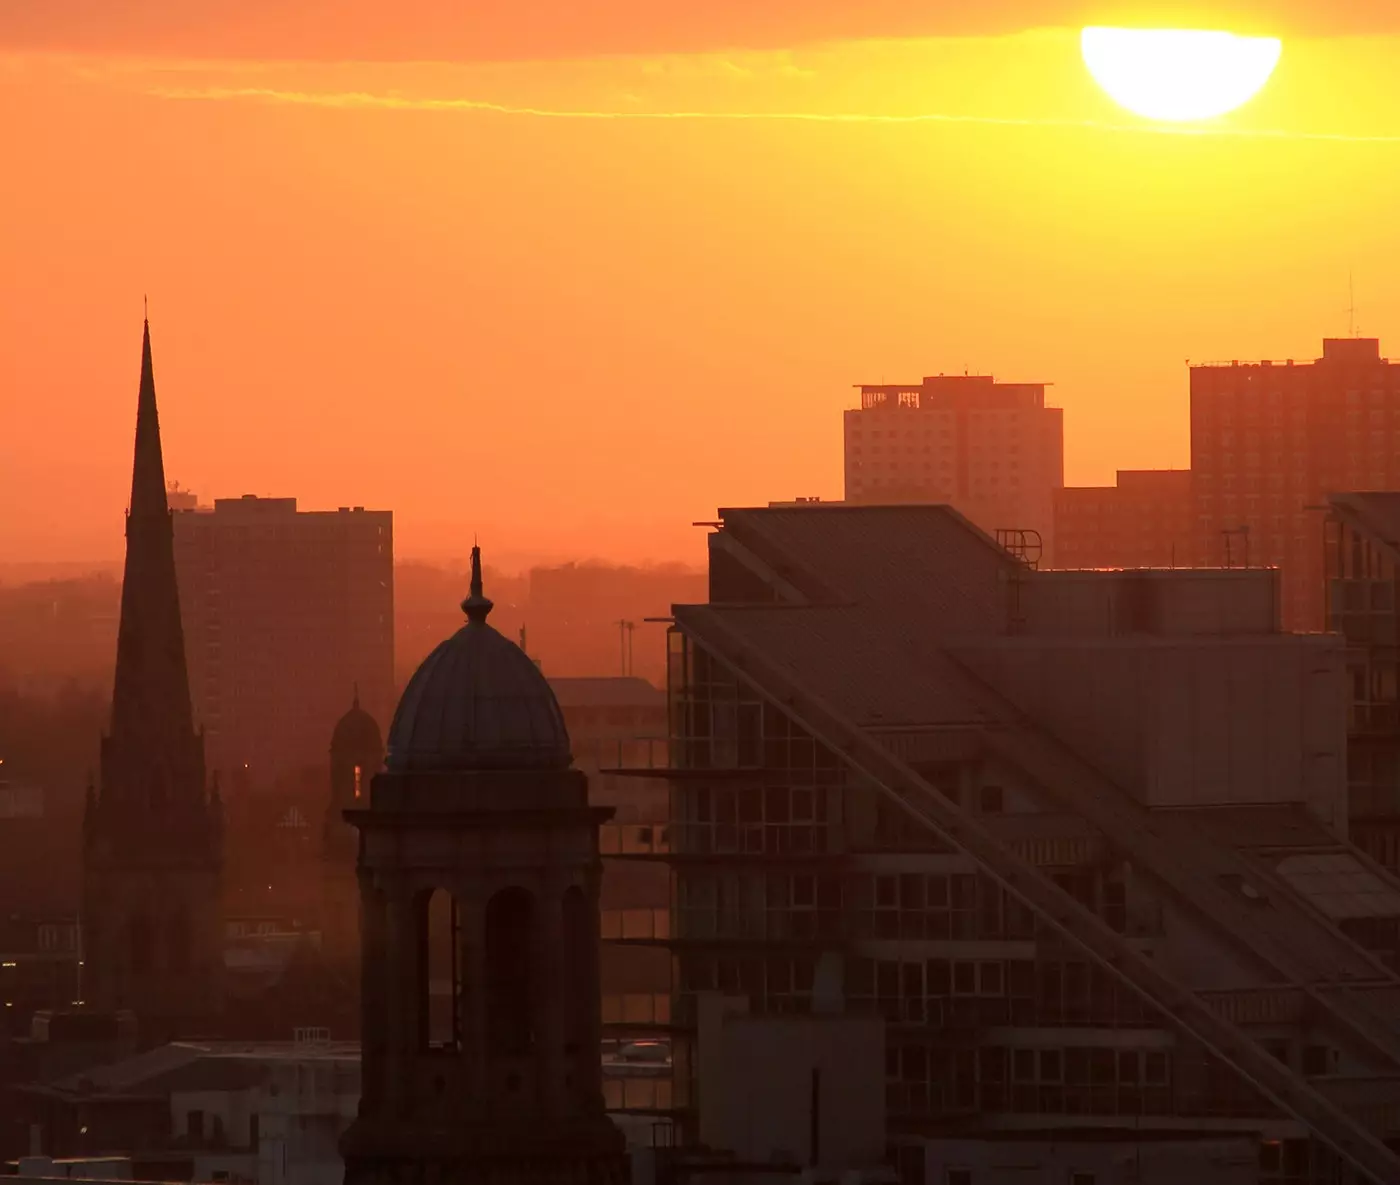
365	100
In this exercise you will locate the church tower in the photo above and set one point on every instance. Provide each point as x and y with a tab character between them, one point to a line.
153	835
479	877
357	754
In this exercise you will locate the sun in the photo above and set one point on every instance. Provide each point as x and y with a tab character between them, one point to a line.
1178	74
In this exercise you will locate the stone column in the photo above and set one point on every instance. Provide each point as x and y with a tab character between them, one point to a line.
552	983
471	920
405	986
374	979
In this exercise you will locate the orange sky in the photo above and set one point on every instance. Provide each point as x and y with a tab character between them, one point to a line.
589	278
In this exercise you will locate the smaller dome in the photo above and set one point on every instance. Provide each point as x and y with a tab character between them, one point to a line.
357	731
477	703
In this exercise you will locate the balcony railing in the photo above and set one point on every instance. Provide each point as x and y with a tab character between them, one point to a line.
708	925
637	1008
634	839
1281	1006
644	1094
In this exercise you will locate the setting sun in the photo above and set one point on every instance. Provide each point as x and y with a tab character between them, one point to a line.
1178	74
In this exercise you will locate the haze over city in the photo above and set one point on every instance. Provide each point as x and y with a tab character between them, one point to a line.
593	321
741	593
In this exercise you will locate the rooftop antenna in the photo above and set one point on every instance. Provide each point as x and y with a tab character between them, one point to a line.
1351	307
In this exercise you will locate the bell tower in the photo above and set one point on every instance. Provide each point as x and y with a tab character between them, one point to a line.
356	755
479	878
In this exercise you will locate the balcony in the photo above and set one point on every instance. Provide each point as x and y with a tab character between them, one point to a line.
802	928
645	1096
1262	1006
638	1011
1374	1101
1374	720
646	840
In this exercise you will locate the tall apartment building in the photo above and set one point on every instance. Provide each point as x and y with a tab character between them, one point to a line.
1271	440
1363	575
285	614
1145	520
992	450
1073	836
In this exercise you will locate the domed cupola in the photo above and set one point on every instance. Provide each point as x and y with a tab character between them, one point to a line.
477	703
356	732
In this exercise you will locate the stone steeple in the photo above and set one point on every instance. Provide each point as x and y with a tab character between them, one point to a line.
153	836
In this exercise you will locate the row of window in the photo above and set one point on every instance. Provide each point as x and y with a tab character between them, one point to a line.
979	993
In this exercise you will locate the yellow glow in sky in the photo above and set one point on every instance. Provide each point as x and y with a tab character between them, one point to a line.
1178	74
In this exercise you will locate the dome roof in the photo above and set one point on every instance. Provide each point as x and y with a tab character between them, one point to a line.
478	702
357	731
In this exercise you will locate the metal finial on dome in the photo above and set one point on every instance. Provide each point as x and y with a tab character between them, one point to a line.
356	702
476	606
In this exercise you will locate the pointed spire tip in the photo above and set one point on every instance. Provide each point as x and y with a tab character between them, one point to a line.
476	606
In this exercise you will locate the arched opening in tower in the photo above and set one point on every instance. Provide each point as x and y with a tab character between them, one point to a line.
440	971
510	936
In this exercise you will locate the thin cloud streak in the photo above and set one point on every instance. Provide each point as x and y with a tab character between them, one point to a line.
363	100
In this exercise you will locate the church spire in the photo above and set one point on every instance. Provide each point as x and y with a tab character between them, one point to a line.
148	472
151	695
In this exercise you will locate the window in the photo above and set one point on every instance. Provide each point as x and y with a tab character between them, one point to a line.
958	1177
1316	1060
990	800
194	1124
1081	1178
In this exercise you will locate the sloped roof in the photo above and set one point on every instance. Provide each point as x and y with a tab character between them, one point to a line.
880	674
928	563
1377	513
133	1072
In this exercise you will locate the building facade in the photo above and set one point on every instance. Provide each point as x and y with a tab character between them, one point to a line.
1145	520
479	879
286	611
1362	568
153	827
1271	440
1060	830
992	450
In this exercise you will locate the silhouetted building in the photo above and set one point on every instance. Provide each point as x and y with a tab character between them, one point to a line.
479	876
1270	441
357	754
1068	833
153	836
1146	520
615	723
39	965
268	1112
1363	564
285	611
993	450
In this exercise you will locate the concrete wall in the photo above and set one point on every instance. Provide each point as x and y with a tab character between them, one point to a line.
1160	602
756	1087
1190	723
